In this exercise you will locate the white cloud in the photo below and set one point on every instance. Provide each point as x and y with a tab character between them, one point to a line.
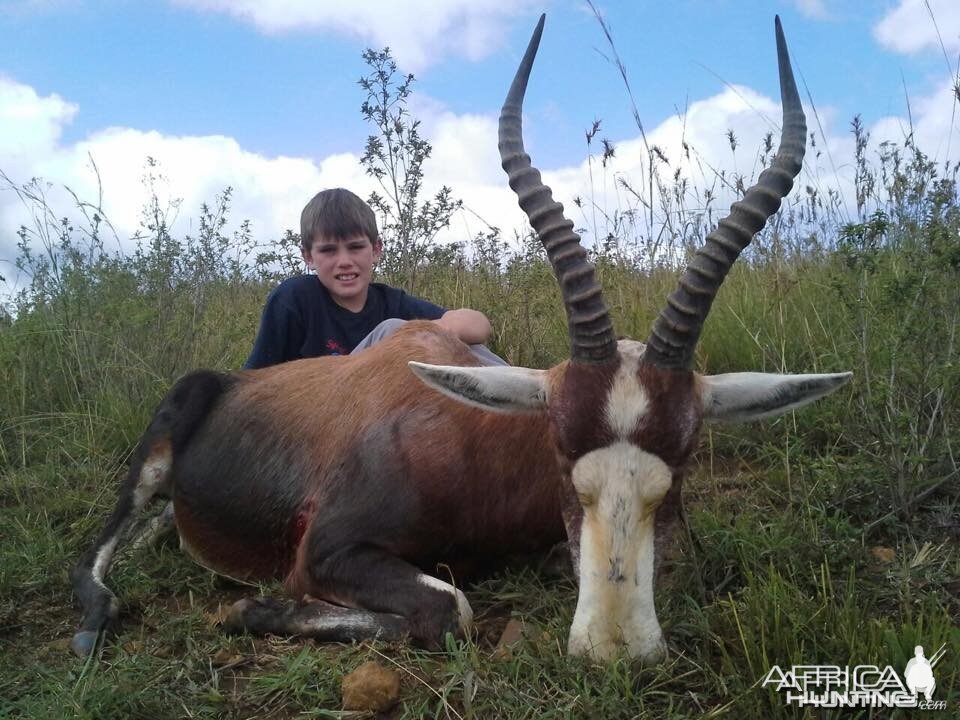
418	32
28	123
909	27
271	191
934	130
703	130
815	9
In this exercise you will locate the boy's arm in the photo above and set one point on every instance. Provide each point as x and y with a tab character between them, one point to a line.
471	326
279	337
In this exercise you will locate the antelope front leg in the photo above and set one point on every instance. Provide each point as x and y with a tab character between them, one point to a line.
365	577
314	619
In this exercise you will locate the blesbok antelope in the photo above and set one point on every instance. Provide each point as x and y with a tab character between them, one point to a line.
351	481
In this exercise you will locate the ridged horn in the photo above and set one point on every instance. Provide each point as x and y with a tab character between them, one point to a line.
588	321
673	339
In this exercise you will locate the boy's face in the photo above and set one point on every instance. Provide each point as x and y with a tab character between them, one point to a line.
345	267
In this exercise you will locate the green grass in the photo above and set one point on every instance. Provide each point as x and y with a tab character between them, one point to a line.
776	566
760	579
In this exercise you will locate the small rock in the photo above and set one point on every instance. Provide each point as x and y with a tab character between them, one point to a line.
512	634
883	554
371	687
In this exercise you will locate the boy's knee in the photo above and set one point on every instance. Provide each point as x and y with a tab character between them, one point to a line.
388	326
385	329
486	356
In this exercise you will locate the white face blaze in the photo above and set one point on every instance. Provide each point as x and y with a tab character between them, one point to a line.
620	487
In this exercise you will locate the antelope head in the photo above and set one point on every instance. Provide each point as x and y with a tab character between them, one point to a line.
625	416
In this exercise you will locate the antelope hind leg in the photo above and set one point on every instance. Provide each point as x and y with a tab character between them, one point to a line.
156	529
148	474
179	414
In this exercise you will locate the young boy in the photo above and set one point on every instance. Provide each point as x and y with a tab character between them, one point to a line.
338	310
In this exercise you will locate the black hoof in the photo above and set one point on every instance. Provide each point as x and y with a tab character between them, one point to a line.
255	615
84	642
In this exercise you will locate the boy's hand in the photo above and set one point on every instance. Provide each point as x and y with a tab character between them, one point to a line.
471	326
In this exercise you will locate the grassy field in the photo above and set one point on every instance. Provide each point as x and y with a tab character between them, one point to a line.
829	536
790	555
774	570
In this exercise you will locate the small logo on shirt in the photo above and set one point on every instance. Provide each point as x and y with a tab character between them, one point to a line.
335	348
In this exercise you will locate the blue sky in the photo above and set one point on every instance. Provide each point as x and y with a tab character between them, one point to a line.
182	71
263	96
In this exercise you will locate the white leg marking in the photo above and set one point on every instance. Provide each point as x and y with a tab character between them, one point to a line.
152	475
463	606
358	623
101	563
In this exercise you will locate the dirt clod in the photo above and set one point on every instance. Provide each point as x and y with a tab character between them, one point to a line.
371	687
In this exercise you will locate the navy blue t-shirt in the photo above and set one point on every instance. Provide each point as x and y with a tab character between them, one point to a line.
301	320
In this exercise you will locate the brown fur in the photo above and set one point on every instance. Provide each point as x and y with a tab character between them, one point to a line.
359	450
578	396
671	428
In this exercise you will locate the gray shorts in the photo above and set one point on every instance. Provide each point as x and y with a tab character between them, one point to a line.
388	327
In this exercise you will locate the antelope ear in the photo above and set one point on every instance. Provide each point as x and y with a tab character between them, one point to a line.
739	397
502	388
